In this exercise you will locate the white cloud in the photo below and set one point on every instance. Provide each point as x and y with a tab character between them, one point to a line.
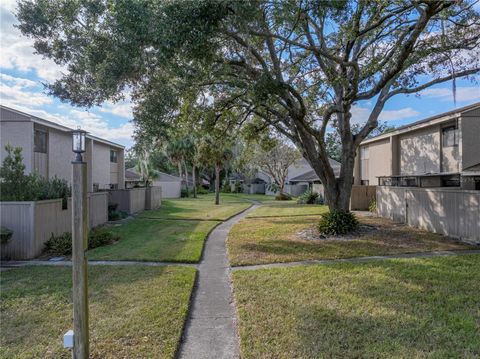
18	51
27	96
16	91
122	109
360	114
464	94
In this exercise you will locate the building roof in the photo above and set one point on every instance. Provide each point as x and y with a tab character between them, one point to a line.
131	175
445	116
56	126
311	176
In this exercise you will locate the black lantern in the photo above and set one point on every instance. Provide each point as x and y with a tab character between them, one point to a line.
78	143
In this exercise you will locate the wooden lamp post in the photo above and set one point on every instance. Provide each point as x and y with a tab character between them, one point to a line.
79	247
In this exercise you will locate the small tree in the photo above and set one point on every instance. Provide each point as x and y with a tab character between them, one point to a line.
12	175
275	161
146	168
216	152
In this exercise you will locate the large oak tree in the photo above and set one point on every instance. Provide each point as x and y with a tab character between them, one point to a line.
297	66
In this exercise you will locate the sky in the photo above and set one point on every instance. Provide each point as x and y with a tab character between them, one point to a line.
22	74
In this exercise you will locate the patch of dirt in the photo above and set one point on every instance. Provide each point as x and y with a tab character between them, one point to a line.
312	234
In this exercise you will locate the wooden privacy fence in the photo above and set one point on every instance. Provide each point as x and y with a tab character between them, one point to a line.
134	200
361	197
153	197
451	212
33	223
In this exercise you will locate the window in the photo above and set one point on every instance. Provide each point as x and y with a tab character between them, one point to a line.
364	182
113	156
449	136
451	181
40	141
364	153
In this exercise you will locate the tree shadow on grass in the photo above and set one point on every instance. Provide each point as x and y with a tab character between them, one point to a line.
134	311
407	308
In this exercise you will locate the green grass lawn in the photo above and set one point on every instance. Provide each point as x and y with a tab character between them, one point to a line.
156	240
270	234
135	312
201	208
174	233
415	308
287	209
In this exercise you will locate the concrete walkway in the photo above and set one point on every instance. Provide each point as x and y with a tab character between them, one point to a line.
210	330
358	259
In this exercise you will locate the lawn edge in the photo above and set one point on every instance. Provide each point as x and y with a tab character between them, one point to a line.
406	255
193	291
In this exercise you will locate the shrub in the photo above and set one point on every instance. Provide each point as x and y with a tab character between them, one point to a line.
201	190
114	216
283	197
59	245
238	187
372	207
62	245
5	234
337	222
226	187
184	193
101	237
309	197
17	186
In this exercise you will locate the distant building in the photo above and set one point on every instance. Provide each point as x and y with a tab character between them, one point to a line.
47	150
440	151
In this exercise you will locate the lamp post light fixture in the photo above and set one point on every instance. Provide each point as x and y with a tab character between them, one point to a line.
79	247
78	143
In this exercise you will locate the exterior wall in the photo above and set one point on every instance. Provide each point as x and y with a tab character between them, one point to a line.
420	151
470	144
169	189
449	212
379	161
18	134
101	165
60	154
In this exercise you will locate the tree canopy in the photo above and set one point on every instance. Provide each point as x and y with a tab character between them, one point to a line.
295	66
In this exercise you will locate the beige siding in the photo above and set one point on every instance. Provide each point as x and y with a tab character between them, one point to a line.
60	154
101	165
40	163
470	143
378	162
113	173
420	151
18	134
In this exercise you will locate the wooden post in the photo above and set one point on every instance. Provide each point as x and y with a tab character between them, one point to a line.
79	247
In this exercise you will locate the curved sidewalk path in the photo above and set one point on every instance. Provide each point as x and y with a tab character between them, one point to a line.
210	331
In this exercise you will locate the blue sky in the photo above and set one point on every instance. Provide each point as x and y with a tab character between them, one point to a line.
22	74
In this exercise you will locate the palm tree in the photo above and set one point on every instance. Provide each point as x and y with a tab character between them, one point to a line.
146	169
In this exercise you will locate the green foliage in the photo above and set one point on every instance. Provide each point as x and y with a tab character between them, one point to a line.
238	187
337	222
62	245
201	190
226	187
184	193
309	197
16	186
114	214
59	245
5	234
281	196
372	207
